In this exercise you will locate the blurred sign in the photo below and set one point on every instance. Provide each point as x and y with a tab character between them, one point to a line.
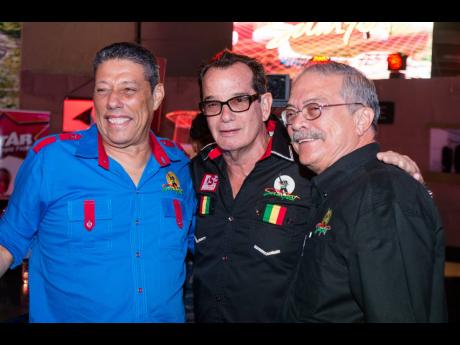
285	47
78	114
19	129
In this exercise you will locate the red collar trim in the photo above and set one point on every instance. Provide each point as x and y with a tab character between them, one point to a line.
214	153
103	159
268	151
160	154
271	126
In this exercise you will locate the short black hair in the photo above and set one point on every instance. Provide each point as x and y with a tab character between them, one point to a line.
133	52
226	58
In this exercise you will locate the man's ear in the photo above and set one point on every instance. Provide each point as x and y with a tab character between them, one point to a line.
363	120
266	101
158	95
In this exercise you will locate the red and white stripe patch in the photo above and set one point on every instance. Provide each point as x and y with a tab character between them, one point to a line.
209	183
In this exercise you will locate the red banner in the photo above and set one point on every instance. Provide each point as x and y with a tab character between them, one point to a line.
19	129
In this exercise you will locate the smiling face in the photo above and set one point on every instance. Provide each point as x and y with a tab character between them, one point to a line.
321	142
236	131
124	103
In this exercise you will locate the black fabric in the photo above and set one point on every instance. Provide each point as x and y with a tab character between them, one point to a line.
377	255
234	281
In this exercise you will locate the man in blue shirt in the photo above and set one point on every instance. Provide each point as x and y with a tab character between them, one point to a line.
108	212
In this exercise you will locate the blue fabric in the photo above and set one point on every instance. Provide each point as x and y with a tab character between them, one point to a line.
131	266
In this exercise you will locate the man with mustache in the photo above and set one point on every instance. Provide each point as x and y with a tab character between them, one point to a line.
108	211
373	250
254	199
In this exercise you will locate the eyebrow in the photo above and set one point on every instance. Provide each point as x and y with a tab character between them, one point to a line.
312	100
125	82
211	97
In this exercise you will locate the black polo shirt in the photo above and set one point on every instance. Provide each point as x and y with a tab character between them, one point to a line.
374	251
246	248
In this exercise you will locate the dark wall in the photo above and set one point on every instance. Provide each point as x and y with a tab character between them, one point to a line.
186	45
446	49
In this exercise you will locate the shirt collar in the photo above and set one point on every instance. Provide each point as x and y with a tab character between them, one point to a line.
344	167
90	146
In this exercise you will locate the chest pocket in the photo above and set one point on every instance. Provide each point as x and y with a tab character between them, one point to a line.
279	227
90	223
176	221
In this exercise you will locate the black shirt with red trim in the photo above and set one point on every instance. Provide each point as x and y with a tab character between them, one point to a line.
246	248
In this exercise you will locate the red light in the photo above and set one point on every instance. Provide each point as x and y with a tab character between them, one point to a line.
396	62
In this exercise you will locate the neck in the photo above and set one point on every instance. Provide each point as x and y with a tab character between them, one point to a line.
242	161
133	159
363	141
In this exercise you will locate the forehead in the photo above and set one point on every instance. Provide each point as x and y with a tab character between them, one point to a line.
234	78
120	67
317	85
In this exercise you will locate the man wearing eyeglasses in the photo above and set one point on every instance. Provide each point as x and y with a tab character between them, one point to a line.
254	198
373	250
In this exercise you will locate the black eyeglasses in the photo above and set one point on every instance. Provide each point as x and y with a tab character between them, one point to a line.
310	111
236	104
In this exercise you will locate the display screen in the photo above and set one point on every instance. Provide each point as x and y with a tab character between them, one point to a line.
284	47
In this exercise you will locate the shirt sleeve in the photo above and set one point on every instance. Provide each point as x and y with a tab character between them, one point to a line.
20	221
396	268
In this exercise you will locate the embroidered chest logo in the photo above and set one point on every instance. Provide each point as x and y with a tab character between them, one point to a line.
283	187
322	227
209	183
173	183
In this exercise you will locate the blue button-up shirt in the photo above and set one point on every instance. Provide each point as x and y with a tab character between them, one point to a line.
103	249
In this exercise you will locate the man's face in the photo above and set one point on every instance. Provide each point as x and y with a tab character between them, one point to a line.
322	141
124	103
234	131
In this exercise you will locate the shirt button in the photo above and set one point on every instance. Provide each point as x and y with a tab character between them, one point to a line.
225	258
139	290
325	194
137	221
138	254
230	219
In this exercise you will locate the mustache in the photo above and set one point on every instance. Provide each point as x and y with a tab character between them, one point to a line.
306	134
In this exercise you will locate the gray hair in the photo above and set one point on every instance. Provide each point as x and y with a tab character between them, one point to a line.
355	87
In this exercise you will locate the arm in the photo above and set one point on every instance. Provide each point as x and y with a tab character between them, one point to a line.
6	259
19	223
402	161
